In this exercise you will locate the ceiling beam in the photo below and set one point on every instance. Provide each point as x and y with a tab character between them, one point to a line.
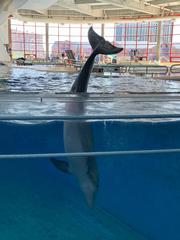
164	2
174	8
85	8
43	12
105	7
134	5
9	7
122	12
36	4
5	5
56	7
32	12
93	20
16	4
85	1
66	12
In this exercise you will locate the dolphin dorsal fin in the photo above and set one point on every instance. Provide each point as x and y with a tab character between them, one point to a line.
60	165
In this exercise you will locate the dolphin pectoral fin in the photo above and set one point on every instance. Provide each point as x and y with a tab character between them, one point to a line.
60	165
93	171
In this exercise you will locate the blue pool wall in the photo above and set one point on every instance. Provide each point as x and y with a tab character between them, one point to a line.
143	191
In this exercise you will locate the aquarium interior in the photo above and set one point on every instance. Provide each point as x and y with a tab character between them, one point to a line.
139	194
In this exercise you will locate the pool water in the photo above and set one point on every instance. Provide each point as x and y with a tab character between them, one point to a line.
39	202
139	194
28	80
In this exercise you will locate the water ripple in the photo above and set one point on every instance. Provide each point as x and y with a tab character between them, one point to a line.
28	80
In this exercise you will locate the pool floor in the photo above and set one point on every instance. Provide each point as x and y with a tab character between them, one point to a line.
33	205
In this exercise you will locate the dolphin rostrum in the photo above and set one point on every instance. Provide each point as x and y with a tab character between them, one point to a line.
78	136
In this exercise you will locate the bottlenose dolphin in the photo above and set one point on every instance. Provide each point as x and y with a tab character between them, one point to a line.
78	136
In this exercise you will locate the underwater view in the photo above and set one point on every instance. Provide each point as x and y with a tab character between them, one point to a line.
138	195
132	187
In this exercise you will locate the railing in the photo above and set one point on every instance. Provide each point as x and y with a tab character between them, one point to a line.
131	69
78	154
175	68
112	68
145	69
118	68
89	117
93	153
174	59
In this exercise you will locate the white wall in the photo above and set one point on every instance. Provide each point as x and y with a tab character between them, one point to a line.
4	56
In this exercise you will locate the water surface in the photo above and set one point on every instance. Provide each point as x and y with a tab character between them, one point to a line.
28	80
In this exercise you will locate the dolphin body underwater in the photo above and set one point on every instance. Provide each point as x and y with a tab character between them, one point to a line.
78	136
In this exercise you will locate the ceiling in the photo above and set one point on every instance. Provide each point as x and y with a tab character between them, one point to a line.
86	11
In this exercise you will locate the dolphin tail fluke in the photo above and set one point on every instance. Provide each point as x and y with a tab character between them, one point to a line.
99	44
60	165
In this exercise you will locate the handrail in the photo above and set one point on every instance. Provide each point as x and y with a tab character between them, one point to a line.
175	68
131	69
145	69
77	154
115	68
111	67
89	117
